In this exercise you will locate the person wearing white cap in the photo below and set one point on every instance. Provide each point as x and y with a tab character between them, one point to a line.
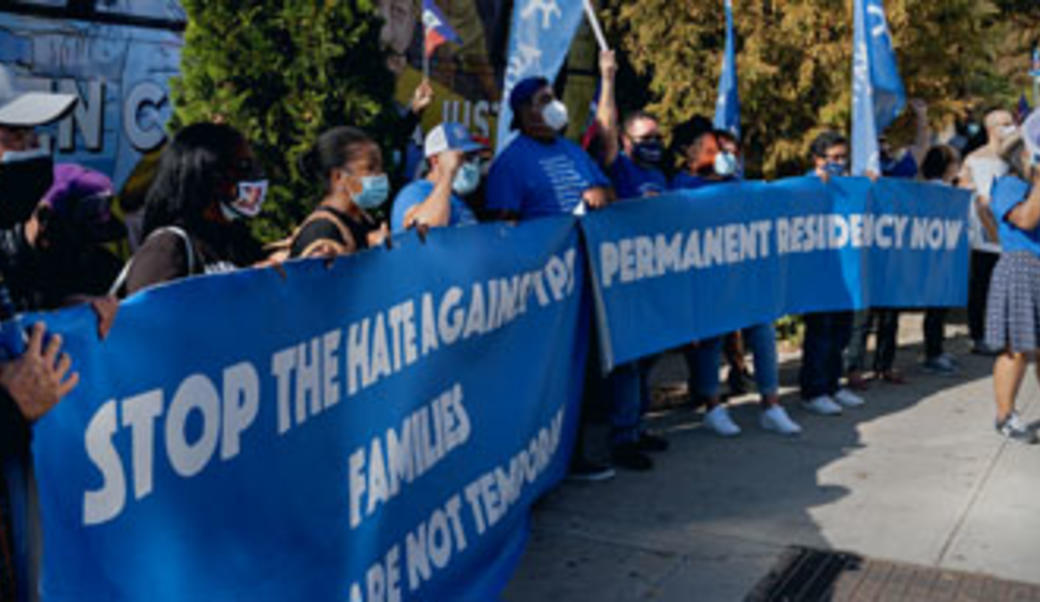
437	200
32	383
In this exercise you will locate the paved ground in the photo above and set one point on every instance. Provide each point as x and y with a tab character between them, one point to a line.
918	476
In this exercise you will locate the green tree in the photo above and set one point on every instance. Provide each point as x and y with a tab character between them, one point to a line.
794	62
282	71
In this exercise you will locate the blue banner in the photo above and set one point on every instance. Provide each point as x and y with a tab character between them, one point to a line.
877	90
670	270
373	430
540	37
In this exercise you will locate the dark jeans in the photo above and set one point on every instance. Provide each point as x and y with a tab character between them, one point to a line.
826	335
887	328
982	265
934	331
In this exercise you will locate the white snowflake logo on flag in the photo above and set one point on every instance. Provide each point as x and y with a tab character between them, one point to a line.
547	7
522	62
880	29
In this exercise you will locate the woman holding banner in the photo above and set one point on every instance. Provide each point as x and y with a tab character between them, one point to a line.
207	185
1013	306
349	164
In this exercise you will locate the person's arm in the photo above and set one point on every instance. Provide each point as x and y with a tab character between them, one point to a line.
505	191
1026	215
30	386
164	257
606	111
923	135
435	210
965	179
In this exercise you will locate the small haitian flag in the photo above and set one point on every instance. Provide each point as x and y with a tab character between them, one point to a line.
436	28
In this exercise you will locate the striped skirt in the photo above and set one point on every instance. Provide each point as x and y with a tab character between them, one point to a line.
1013	306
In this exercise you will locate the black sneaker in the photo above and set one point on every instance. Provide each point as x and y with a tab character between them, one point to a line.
651	443
583	469
1012	428
627	455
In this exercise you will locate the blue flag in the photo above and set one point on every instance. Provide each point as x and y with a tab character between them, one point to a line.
539	39
727	107
877	90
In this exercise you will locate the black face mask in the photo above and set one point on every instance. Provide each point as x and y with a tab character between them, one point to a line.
22	185
649	152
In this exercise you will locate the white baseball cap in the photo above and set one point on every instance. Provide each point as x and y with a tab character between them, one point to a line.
28	109
450	136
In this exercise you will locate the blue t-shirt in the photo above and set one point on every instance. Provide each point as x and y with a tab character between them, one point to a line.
633	181
905	167
536	179
417	192
1008	193
687	181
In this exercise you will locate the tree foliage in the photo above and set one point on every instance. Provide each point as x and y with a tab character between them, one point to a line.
794	63
282	71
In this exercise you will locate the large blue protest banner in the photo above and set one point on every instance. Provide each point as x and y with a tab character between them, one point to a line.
373	430
696	264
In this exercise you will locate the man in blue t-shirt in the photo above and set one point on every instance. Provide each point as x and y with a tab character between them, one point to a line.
632	159
542	173
436	200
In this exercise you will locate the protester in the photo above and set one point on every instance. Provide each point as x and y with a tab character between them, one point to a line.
349	165
632	159
542	174
1013	306
34	381
437	200
67	232
207	186
902	163
733	348
827	333
981	167
941	165
707	164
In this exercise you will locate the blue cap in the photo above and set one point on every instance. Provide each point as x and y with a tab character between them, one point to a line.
522	93
450	136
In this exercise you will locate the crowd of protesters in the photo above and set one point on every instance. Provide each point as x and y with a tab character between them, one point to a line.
57	219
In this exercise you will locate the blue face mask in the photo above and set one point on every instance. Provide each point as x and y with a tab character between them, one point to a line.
834	168
467	179
374	191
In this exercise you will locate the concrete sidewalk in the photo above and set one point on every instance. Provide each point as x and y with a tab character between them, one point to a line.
917	476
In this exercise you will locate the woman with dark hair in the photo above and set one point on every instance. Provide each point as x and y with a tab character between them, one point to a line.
349	166
208	183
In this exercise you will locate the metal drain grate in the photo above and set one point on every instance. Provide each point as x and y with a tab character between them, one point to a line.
804	575
808	575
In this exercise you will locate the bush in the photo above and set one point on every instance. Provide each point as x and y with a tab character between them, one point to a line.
282	71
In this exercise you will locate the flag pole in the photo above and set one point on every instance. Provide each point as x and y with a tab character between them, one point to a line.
425	54
590	12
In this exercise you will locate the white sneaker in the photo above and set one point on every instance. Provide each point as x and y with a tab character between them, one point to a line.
822	405
719	421
776	419
848	399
